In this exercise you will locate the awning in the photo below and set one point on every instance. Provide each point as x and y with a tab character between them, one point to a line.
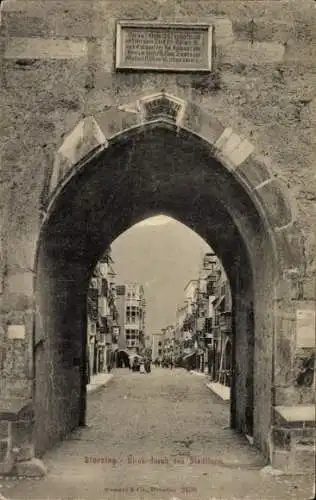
218	302
199	352
135	356
189	355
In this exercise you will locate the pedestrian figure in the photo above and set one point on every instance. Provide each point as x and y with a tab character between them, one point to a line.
142	367
87	371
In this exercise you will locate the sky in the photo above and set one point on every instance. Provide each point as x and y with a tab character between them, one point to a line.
163	255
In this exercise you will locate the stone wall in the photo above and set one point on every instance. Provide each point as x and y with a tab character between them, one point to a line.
62	58
57	68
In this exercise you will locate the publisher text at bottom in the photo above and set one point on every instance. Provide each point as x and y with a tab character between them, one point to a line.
186	490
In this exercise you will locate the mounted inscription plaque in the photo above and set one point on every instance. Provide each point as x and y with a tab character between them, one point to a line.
163	47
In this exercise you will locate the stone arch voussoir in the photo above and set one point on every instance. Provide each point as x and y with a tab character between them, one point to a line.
233	150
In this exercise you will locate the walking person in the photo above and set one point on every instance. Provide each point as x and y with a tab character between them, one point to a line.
147	365
142	367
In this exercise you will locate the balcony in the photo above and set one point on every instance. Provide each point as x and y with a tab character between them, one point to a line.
225	322
107	338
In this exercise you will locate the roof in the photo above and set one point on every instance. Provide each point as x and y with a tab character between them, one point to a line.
188	283
189	355
218	301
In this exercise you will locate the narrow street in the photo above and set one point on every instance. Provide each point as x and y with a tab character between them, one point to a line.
160	436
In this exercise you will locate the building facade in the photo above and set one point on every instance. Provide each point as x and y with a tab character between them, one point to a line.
131	307
204	321
102	317
157	346
237	139
220	351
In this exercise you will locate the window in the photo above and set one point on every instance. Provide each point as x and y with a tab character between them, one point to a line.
134	314
120	289
132	334
132	343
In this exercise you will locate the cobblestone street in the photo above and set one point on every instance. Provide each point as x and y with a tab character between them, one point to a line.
163	417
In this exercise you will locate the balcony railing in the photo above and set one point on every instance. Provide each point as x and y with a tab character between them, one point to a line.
225	323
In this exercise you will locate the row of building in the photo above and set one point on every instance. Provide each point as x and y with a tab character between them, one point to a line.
116	319
201	337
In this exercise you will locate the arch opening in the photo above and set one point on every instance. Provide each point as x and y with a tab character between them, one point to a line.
154	169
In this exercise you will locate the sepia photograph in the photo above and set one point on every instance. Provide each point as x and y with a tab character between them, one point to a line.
157	249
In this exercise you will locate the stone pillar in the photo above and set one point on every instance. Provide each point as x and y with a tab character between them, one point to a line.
16	439
293	429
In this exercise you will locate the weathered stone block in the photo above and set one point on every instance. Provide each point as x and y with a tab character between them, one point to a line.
306	326
309	288
16	25
304	459
233	141
289	439
3	429
240	153
113	121
15	304
97	101
82	140
31	468
41	48
284	351
14	409
252	171
22	255
278	209
281	459
22	439
263	29
202	123
291	254
223	138
288	395
3	450
16	332
18	385
24	452
299	53
257	53
223	31
282	438
304	437
295	416
303	369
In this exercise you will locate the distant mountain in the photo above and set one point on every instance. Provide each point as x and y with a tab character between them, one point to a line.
163	257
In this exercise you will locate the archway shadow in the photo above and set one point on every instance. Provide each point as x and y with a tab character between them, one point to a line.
152	169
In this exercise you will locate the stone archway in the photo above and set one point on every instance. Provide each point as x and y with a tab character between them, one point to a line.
163	154
123	149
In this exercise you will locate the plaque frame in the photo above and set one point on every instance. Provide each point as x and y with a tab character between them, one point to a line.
120	65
